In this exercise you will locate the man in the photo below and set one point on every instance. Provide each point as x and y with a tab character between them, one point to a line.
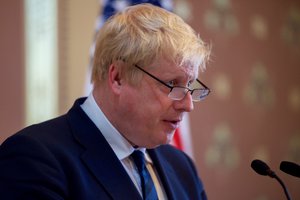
113	144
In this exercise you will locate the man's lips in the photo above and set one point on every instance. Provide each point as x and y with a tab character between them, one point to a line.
174	123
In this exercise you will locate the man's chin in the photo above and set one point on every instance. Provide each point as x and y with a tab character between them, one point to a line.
165	140
170	137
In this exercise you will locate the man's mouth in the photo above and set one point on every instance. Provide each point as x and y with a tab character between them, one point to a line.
174	124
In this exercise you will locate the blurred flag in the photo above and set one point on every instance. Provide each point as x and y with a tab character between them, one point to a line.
182	137
108	8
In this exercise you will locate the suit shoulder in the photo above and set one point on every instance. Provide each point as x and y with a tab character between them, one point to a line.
169	150
49	133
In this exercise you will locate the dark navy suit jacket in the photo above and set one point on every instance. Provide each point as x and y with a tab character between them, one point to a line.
68	158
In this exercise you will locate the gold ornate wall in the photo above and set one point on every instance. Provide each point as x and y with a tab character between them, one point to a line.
254	108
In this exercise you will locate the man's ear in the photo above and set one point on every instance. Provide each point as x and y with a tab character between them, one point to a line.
114	78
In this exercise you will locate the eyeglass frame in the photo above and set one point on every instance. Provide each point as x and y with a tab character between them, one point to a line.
172	87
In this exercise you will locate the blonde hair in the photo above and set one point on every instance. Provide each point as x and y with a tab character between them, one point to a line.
142	33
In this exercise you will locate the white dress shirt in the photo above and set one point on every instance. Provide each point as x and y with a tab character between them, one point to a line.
122	148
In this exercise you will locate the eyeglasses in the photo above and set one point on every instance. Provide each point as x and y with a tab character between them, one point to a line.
179	92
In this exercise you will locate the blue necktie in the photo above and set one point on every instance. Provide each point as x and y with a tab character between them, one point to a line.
148	188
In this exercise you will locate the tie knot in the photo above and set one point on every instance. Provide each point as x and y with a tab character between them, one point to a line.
139	159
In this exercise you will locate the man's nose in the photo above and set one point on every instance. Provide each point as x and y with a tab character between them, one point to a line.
186	104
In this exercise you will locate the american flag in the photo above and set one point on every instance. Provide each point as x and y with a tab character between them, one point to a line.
181	138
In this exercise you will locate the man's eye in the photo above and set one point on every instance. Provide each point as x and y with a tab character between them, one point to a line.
193	84
171	83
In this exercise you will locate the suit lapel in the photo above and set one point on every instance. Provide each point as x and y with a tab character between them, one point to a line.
100	158
166	174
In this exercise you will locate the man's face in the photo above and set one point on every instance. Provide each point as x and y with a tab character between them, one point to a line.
149	116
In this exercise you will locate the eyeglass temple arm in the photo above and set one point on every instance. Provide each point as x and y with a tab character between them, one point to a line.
202	84
153	77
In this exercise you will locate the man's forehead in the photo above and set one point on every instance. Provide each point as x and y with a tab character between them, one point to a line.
187	70
190	72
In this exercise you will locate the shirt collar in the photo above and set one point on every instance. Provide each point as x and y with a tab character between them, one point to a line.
117	142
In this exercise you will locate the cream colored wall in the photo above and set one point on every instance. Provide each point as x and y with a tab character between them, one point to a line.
80	18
